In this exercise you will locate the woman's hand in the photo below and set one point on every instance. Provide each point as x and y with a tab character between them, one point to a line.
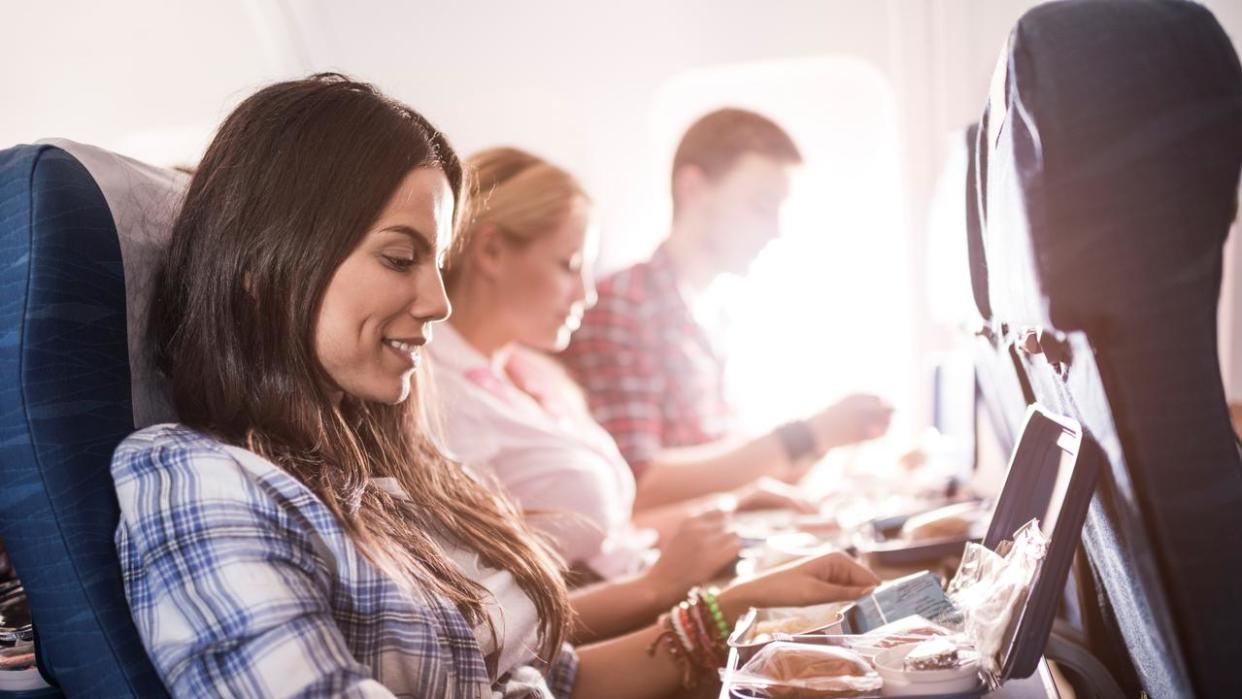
832	577
771	494
700	548
829	578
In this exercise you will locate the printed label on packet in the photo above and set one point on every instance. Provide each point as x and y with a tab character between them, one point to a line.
919	594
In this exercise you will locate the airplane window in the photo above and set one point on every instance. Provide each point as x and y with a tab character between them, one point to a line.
842	259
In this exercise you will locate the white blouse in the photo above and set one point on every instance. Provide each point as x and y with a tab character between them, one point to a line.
548	454
511	612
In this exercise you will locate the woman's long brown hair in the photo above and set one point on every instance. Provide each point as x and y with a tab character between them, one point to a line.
289	186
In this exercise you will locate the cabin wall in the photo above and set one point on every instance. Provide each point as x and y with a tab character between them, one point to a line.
581	83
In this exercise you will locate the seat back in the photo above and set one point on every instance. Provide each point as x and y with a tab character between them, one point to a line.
1005	395
1107	173
80	230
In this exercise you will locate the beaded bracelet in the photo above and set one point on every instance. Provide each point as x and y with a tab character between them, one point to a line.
710	609
668	637
695	632
705	659
707	647
709	596
695	610
683	635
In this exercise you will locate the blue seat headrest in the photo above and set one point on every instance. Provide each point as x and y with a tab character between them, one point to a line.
80	233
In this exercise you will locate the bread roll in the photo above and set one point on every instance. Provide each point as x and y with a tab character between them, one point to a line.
810	619
953	521
804	670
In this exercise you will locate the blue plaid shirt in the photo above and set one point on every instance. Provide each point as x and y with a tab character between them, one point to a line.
242	583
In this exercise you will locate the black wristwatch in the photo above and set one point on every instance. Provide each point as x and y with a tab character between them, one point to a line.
798	440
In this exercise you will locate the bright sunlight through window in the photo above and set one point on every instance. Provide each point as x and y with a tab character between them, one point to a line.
825	309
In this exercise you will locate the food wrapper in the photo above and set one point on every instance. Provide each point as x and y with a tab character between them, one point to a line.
911	629
786	670
952	521
17	657
792	621
764	625
990	589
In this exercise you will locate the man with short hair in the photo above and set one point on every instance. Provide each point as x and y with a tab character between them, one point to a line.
651	376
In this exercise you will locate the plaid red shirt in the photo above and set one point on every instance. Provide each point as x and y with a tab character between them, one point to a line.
650	374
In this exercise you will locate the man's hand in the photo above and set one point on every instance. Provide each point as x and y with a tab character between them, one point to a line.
853	419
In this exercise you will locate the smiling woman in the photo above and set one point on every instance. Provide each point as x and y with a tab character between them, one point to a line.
301	278
378	308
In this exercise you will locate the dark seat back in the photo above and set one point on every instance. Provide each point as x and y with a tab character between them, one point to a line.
1107	174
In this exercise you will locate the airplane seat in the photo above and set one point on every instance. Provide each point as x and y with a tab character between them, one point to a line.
1003	386
81	230
1107	175
1005	396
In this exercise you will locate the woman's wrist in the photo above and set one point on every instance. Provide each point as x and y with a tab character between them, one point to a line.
660	588
734	601
694	633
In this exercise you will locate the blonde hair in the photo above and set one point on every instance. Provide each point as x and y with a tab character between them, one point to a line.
522	195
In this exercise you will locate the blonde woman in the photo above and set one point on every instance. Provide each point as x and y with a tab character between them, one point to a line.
519	278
